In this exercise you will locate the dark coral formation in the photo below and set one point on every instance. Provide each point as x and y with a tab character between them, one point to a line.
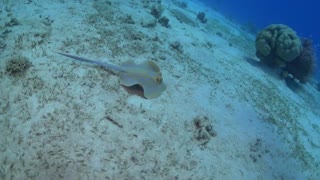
257	150
279	47
12	22
176	45
164	21
304	65
156	10
127	19
17	66
203	130
202	17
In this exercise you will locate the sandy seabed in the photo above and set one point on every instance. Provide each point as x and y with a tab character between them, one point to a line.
222	116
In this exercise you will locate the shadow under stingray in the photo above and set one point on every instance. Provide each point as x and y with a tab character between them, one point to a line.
135	89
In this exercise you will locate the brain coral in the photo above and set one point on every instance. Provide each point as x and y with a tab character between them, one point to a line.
277	44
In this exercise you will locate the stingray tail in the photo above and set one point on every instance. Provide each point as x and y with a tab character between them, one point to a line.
106	65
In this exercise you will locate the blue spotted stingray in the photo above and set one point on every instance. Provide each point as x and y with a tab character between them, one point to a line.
147	75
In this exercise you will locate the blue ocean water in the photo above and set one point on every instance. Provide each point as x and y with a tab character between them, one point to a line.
302	16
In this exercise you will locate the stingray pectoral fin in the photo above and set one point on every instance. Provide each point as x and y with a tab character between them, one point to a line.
149	65
146	74
128	80
151	88
151	92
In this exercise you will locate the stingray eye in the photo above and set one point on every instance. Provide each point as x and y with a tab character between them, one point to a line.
158	79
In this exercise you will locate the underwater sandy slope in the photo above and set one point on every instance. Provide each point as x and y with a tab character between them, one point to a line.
223	116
